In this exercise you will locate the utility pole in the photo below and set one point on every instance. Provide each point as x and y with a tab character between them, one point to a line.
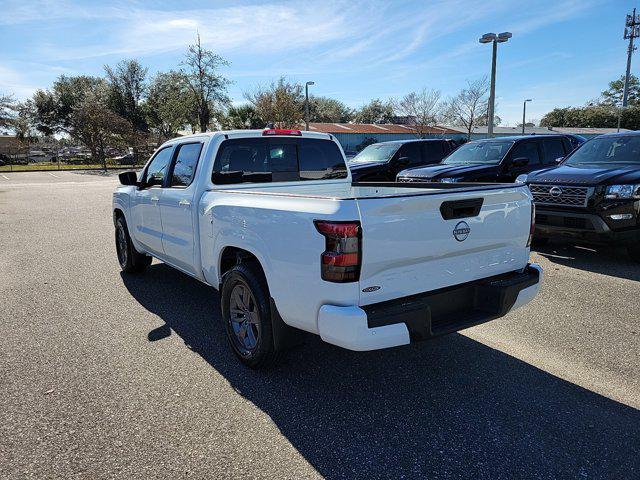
495	40
306	104
524	112
631	31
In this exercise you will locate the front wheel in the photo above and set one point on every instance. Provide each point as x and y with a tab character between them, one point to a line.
130	260
247	316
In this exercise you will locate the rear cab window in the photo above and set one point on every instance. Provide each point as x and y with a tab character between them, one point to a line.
277	159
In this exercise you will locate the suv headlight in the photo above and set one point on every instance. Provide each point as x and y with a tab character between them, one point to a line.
521	178
622	191
449	180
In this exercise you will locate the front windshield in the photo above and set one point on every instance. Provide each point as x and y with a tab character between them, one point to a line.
479	153
378	152
619	150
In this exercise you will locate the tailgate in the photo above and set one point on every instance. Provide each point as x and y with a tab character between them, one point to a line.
425	242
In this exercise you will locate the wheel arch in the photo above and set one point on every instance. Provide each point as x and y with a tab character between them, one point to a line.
232	255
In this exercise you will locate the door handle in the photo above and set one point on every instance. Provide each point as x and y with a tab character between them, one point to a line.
154	199
184	203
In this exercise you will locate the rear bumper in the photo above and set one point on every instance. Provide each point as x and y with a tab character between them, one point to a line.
418	317
581	227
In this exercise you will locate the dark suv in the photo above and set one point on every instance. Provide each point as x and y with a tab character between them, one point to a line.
383	161
593	196
494	160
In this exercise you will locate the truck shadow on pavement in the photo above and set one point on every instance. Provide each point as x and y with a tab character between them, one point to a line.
449	407
611	261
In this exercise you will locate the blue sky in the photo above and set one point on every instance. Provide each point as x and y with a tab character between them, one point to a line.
563	52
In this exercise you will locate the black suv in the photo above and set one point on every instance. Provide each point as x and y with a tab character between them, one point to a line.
494	160
382	161
593	196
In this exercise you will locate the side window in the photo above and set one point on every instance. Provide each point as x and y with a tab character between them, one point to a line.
320	159
158	167
527	150
552	148
411	150
433	151
184	167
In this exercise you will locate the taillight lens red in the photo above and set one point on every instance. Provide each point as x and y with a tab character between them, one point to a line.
532	227
340	262
280	131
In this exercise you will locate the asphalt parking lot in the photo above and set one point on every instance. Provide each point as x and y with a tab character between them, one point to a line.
104	375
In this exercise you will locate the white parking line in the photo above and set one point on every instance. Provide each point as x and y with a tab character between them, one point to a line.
53	175
5	177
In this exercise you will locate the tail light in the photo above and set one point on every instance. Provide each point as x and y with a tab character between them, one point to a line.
340	262
532	227
279	131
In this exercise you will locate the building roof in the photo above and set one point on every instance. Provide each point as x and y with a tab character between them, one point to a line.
374	129
588	130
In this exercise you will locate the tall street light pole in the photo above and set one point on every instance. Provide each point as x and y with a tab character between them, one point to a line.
524	112
494	39
306	103
631	31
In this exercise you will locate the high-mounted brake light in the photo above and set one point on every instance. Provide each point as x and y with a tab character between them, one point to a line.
279	131
340	262
532	227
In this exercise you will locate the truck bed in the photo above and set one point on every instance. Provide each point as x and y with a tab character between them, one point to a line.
365	190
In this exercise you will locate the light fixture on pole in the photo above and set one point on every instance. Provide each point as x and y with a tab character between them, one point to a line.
495	39
524	112
306	103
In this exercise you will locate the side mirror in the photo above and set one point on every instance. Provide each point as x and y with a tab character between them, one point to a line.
128	178
559	159
403	161
520	162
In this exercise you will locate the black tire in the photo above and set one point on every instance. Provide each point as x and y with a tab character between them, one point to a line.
130	260
261	353
634	252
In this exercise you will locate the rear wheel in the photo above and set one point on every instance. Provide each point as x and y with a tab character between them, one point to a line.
130	260
247	316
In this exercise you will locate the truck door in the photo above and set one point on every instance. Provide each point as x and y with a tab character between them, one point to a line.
177	208
147	226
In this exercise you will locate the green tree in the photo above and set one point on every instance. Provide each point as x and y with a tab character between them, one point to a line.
170	104
79	107
613	94
242	117
7	109
325	109
376	111
208	87
281	102
127	88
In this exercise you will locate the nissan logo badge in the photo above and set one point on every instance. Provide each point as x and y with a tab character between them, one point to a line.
555	191
461	232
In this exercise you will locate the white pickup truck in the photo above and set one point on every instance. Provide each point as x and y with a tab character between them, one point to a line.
272	220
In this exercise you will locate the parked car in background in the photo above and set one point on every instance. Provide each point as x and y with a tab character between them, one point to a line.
593	196
494	160
273	221
383	161
349	154
576	140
